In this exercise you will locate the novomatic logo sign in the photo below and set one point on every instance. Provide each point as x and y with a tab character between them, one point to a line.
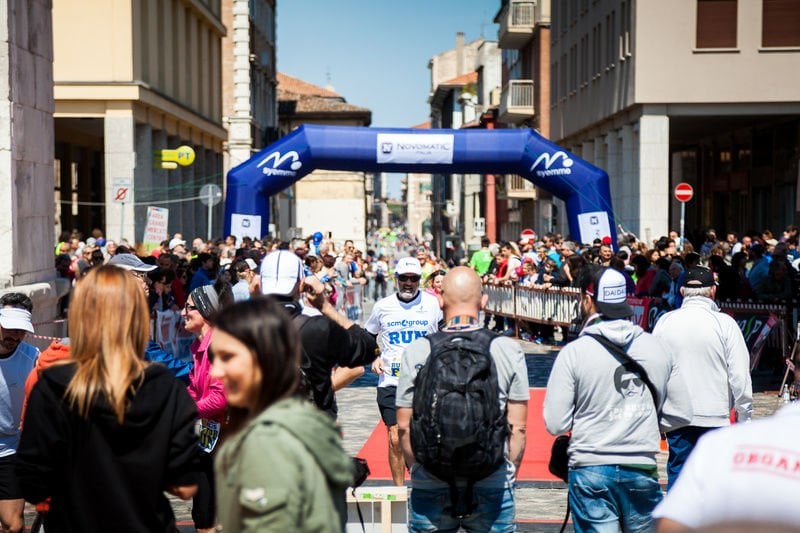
273	162
414	148
557	164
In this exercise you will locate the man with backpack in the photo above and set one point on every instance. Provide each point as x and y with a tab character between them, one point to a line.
462	404
615	388
329	339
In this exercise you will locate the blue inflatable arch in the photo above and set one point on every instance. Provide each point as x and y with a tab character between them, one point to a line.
583	187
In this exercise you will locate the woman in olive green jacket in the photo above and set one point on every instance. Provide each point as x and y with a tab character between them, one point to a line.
284	468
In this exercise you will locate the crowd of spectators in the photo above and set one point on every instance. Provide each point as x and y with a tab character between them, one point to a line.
753	267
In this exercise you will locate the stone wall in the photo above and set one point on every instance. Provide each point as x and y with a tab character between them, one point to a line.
26	156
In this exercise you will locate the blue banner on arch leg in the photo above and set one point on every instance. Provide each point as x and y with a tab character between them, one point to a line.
583	187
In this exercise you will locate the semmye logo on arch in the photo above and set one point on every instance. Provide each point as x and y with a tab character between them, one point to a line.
276	160
550	160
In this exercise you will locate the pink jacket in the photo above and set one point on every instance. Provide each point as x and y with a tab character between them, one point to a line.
208	393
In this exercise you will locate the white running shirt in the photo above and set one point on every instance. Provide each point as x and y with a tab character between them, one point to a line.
399	324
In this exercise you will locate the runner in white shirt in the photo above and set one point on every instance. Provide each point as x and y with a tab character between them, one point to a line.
745	473
400	319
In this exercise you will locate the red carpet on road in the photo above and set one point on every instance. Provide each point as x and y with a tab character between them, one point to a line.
534	462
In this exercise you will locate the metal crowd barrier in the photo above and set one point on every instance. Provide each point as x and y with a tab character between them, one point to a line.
762	325
557	306
352	302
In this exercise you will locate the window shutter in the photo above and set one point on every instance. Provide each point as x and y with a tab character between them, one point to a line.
780	24
716	23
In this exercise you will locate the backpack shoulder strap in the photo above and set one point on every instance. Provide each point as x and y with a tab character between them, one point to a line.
622	356
482	336
301	320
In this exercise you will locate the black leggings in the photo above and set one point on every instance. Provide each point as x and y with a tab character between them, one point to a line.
203	503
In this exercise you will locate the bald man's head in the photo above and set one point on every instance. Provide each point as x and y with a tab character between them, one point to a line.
461	288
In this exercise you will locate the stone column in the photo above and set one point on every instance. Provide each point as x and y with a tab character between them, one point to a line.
599	156
654	174
610	146
26	157
587	151
144	179
120	161
163	180
187	217
629	199
240	142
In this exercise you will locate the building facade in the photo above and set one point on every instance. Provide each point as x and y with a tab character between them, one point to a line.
26	159
697	91
524	102
143	76
464	82
249	99
324	200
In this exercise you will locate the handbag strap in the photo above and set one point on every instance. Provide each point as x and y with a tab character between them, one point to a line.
627	360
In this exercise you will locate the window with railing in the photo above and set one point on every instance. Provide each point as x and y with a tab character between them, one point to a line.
515	182
522	13
520	93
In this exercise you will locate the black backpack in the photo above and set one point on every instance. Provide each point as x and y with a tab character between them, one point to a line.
457	429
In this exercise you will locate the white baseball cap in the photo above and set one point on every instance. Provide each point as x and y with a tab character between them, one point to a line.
130	262
610	294
408	265
15	318
280	272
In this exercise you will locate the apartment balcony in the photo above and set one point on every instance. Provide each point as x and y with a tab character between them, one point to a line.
515	187
517	20
516	101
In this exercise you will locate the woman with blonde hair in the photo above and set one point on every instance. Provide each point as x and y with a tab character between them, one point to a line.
106	433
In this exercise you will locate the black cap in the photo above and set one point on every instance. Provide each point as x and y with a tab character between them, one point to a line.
698	277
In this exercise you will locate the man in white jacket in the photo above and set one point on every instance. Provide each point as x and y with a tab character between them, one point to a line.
714	361
605	403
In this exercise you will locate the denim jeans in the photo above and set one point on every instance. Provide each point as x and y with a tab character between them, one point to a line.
681	443
612	498
430	507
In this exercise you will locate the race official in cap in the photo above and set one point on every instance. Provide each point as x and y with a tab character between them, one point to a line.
330	340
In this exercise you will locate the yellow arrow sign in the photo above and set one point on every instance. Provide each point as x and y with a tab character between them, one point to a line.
183	156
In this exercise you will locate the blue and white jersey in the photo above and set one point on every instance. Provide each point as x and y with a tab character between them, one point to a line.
399	324
14	371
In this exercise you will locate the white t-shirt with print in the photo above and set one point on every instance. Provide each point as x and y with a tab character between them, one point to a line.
745	472
397	325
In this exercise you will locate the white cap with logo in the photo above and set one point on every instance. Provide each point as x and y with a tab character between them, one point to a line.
611	294
280	272
408	265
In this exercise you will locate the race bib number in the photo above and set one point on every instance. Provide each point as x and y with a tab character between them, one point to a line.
395	370
208	431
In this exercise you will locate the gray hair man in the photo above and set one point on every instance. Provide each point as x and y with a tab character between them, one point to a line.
715	362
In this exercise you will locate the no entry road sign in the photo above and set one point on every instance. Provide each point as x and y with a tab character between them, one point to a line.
683	192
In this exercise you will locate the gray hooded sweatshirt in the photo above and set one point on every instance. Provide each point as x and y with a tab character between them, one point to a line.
609	411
